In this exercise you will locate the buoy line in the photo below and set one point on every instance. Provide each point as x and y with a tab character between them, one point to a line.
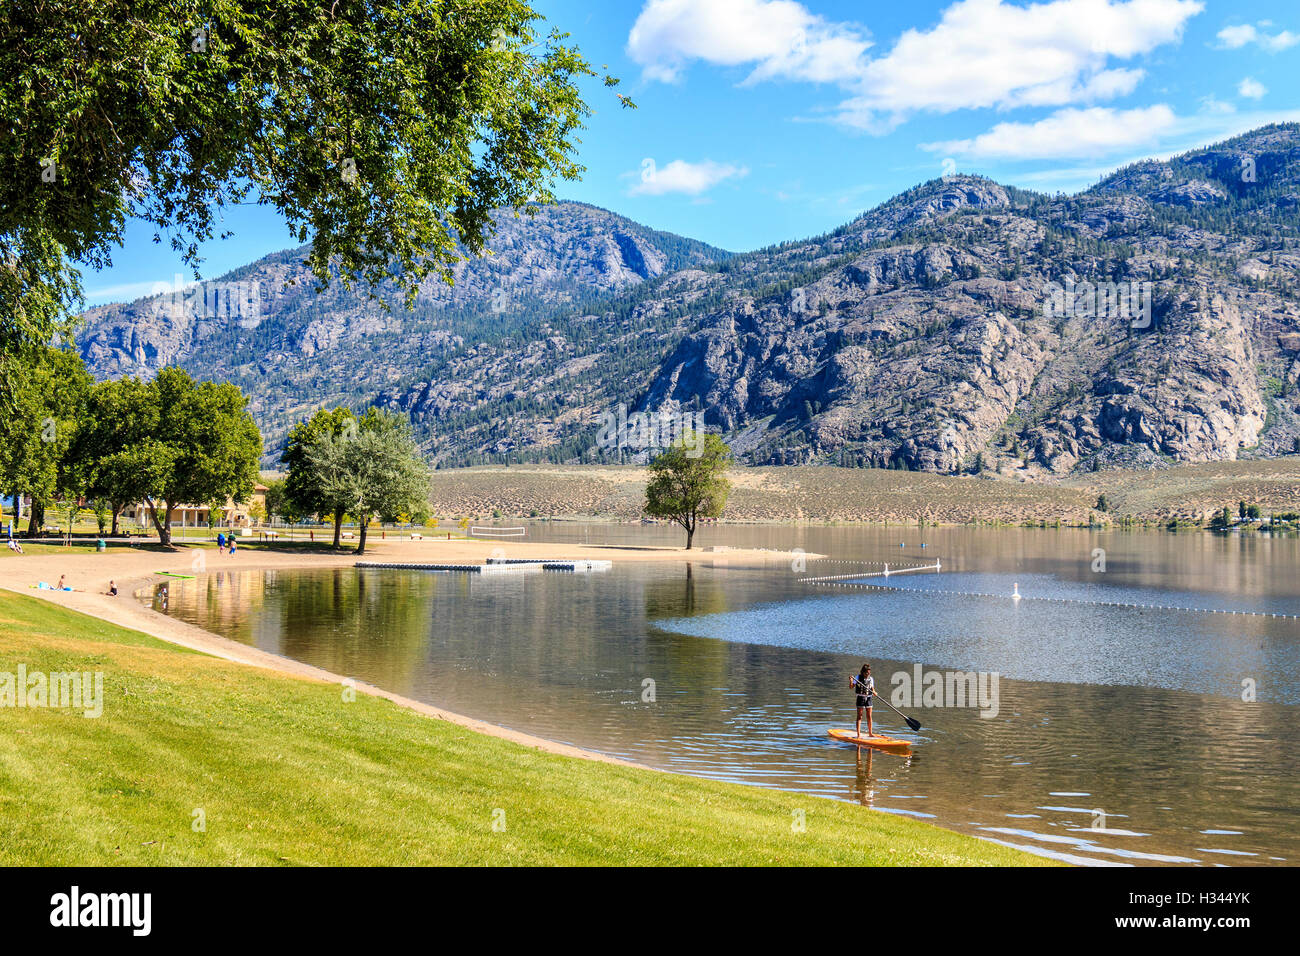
875	564
823	582
888	572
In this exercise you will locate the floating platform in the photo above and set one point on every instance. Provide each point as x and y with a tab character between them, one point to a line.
558	564
492	566
580	565
464	568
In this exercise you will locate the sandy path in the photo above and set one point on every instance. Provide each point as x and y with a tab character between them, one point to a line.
134	568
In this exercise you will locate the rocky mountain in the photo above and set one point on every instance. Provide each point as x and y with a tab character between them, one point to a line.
961	326
292	348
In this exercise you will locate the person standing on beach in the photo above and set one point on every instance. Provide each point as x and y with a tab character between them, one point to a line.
232	545
865	685
221	541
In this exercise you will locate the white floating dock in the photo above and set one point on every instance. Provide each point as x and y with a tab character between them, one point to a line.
580	565
558	564
465	568
492	566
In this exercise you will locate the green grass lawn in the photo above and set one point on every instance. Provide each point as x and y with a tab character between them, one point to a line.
286	772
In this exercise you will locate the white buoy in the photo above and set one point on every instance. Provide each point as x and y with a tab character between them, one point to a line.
1015	594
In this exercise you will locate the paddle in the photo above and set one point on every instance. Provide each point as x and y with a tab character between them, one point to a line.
911	721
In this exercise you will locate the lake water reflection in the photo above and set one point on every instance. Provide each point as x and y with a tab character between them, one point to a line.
1120	735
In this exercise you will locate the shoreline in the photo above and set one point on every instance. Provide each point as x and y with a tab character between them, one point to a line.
86	572
282	773
830	495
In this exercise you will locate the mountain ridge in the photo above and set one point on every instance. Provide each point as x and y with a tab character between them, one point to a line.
918	335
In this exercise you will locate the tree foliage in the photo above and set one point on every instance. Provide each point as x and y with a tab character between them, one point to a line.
688	481
383	132
111	456
303	490
377	468
44	397
203	445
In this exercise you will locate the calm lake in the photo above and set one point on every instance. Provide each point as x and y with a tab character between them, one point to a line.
1118	733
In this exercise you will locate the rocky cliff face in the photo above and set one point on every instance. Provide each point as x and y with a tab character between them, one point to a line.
963	325
951	343
292	348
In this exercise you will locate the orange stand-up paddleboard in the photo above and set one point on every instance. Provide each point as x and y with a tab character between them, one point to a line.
877	741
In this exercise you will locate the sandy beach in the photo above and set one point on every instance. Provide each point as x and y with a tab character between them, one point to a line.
134	568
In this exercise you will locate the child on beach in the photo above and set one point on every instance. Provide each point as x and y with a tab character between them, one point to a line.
112	589
865	685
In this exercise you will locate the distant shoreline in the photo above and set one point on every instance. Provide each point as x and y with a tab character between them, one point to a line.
825	494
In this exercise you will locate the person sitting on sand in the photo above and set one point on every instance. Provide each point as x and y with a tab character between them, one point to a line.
61	586
15	546
112	589
865	685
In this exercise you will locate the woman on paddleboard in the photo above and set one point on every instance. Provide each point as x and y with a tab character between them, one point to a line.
865	685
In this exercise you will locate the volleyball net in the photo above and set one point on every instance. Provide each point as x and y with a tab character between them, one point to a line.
476	532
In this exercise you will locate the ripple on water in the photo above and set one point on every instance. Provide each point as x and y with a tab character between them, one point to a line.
1091	846
753	706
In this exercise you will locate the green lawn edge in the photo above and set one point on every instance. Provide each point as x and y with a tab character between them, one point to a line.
200	761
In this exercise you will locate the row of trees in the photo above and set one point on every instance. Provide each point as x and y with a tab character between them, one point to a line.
367	466
164	442
171	441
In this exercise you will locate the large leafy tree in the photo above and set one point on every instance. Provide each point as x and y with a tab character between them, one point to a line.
202	445
688	482
304	492
43	396
377	468
384	131
112	452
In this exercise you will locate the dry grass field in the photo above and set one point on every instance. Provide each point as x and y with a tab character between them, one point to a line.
829	494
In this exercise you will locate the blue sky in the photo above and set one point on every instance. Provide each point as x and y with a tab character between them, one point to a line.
766	120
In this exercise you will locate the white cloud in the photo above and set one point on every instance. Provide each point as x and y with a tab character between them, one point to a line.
985	53
780	39
981	53
1067	133
1185	133
1236	37
1212	104
680	176
1251	88
127	292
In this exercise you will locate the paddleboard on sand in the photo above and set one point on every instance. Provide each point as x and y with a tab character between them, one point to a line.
877	740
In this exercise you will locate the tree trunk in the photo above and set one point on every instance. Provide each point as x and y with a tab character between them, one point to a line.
164	525
361	542
35	518
338	525
690	536
116	508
